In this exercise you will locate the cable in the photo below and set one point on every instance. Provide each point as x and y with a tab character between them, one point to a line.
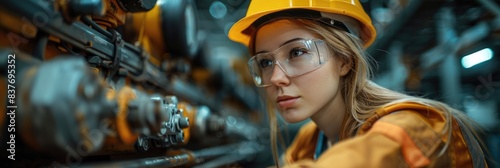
95	26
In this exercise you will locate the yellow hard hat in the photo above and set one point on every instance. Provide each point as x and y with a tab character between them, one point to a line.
353	9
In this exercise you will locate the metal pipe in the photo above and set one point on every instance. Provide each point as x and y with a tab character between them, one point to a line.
244	150
162	161
221	154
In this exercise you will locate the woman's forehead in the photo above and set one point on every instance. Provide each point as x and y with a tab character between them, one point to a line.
273	34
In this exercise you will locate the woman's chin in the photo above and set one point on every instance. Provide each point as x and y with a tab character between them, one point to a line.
293	118
293	121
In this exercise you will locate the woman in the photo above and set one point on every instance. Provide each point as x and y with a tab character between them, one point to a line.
308	57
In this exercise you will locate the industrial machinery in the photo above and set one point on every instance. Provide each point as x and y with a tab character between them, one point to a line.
100	83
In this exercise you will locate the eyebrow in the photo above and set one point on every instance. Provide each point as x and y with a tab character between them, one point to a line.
284	43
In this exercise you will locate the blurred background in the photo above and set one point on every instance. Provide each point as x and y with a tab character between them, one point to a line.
439	49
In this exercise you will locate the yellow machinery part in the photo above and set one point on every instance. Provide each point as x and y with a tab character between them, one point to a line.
125	95
190	112
150	35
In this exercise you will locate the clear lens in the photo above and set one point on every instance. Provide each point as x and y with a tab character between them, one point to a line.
295	58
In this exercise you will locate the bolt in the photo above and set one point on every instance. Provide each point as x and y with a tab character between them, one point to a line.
183	122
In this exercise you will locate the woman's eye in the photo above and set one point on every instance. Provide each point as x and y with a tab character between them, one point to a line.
297	52
264	63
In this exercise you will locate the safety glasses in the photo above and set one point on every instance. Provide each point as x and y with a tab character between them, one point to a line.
294	59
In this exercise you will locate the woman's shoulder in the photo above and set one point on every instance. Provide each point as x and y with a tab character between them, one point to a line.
410	116
421	124
425	128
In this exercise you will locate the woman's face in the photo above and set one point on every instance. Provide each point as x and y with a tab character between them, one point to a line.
313	94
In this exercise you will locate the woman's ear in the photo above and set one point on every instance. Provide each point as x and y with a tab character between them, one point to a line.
345	67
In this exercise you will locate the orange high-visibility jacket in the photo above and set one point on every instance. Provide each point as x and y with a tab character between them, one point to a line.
400	135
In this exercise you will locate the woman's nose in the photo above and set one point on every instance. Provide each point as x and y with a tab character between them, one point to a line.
279	77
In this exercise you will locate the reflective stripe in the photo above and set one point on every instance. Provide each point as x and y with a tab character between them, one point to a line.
411	153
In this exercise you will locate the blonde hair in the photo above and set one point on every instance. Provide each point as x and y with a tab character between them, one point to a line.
361	96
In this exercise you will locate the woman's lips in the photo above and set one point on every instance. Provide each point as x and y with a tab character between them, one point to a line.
288	102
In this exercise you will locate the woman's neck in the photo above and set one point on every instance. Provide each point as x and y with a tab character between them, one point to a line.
330	117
